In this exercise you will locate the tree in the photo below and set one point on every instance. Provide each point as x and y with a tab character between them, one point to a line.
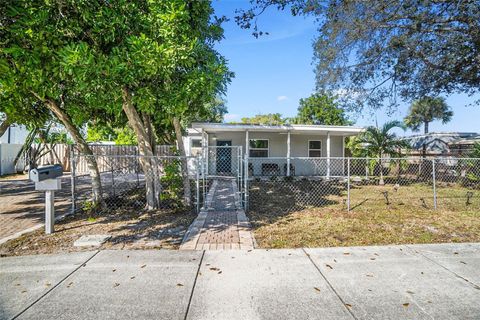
148	61
320	109
378	142
376	51
425	110
271	119
35	37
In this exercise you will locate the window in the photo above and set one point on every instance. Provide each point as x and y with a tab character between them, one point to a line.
195	146
196	143
314	148
258	148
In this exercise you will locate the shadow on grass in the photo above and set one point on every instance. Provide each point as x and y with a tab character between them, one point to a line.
270	201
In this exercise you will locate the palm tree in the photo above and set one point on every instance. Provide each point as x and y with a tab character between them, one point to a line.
378	142
425	110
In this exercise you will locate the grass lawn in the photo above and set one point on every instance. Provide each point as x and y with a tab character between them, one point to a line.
408	218
129	225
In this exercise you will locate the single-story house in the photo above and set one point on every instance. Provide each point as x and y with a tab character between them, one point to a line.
444	144
272	150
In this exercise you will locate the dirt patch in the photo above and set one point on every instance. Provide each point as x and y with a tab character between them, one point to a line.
130	227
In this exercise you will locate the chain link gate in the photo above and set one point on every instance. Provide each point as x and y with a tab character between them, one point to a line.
222	162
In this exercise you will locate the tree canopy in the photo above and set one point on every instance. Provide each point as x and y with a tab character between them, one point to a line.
425	110
320	109
375	51
272	119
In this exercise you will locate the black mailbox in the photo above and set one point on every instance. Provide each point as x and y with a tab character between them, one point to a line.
46	172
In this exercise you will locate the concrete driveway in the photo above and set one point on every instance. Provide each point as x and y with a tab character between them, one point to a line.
392	282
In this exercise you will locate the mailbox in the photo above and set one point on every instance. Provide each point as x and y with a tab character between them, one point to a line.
46	173
47	178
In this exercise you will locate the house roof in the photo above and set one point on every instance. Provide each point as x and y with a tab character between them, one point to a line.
439	141
293	128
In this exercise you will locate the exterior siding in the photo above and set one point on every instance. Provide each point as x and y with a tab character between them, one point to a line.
278	143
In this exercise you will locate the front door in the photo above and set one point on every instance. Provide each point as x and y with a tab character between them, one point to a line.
224	156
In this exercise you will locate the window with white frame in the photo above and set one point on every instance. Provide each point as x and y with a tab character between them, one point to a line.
258	148
314	148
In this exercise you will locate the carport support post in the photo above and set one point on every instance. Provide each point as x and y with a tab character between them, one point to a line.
288	153
328	155
434	185
49	211
246	183
348	184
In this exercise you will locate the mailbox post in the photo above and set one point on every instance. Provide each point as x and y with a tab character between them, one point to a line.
47	178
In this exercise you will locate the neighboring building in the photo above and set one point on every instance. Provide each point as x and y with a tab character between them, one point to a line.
443	143
15	134
10	144
300	150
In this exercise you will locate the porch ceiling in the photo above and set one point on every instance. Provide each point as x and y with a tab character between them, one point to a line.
294	129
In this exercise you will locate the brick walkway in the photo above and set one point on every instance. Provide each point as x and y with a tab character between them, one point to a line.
223	225
22	208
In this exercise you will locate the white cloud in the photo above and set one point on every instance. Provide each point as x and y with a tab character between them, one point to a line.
282	98
231	117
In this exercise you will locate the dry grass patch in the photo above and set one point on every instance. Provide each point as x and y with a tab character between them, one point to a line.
279	221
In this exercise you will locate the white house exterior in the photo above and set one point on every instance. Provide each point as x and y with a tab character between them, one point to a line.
286	150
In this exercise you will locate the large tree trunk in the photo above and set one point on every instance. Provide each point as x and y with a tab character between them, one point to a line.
82	146
4	126
181	148
147	159
150	132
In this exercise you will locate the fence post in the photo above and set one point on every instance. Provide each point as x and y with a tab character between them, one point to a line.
246	183
366	168
434	185
348	184
197	184
72	176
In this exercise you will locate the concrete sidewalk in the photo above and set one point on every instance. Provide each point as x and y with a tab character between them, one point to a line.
391	282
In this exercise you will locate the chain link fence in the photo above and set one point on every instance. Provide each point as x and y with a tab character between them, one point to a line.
292	184
138	182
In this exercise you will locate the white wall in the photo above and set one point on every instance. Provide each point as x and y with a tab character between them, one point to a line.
278	142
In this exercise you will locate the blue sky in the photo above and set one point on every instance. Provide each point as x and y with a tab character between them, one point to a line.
272	73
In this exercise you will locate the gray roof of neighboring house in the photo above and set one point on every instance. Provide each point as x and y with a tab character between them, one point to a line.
439	141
